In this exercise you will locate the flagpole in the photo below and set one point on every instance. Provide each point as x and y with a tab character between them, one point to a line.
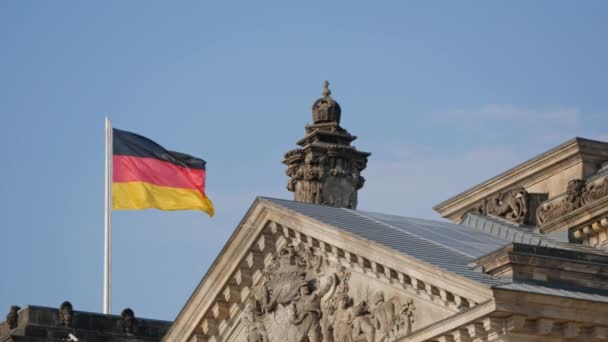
107	219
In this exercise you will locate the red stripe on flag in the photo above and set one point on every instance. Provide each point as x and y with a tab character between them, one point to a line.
154	171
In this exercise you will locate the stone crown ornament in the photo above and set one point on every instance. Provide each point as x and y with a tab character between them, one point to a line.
326	109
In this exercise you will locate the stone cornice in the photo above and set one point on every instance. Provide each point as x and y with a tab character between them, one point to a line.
527	173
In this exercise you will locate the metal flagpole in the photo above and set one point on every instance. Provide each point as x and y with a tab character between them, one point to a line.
107	219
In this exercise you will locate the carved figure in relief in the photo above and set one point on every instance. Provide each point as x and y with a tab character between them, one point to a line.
574	195
343	331
511	205
405	319
383	315
307	311
256	332
578	194
595	190
304	298
363	328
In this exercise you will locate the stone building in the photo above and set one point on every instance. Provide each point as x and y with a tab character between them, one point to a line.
523	259
38	324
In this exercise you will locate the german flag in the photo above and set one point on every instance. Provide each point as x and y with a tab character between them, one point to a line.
145	175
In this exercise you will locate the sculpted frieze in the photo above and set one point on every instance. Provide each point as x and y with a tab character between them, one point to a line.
302	297
510	204
578	194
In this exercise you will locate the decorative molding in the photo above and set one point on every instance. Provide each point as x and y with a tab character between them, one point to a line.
579	195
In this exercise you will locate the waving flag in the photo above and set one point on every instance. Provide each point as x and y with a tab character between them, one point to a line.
145	175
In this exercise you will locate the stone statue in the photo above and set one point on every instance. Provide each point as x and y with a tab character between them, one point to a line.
12	318
65	314
128	321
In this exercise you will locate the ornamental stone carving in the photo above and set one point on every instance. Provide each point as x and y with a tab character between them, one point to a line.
510	204
326	169
302	297
578	194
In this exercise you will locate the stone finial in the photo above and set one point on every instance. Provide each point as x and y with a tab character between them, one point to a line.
128	320
326	92
66	313
326	169
12	318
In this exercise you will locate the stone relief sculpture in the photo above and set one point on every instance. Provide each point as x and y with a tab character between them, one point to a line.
302	297
578	194
510	204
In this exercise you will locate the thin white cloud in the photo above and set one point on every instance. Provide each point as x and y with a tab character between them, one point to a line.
556	116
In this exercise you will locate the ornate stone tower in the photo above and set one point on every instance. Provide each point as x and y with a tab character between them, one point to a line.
326	169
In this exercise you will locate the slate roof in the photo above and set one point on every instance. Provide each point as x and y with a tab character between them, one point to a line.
448	246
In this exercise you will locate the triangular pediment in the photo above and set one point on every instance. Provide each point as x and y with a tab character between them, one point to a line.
284	275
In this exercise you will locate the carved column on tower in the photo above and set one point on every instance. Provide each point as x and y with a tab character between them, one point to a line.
326	169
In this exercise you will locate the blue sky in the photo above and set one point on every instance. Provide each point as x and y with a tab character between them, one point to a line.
444	94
